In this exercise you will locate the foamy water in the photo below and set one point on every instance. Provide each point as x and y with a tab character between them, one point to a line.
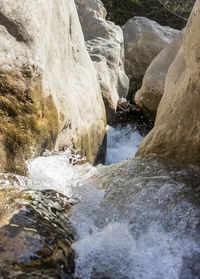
145	227
122	143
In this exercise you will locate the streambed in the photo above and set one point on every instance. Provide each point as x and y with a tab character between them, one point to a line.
131	220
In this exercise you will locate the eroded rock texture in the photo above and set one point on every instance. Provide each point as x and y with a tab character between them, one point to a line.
49	91
105	44
149	95
143	40
176	132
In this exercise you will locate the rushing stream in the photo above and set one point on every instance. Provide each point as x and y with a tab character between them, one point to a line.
122	143
139	219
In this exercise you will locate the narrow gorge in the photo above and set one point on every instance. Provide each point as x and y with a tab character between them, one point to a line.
99	141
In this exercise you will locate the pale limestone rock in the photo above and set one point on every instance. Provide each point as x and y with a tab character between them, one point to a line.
149	95
143	40
50	94
94	6
176	134
104	41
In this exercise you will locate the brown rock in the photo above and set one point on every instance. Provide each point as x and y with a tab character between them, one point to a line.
176	134
27	119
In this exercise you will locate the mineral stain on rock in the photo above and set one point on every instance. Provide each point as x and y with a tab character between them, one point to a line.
29	121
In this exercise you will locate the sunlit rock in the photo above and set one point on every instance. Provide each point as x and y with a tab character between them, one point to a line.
176	132
143	40
49	91
94	7
149	95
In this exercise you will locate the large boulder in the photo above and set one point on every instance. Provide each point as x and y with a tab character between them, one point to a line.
143	40
104	42
177	128
49	91
149	95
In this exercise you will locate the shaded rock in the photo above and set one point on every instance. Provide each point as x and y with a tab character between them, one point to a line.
176	131
104	42
35	234
44	83
149	95
143	40
128	113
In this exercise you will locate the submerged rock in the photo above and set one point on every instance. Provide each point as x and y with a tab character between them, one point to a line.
49	91
104	42
176	133
35	234
143	40
149	95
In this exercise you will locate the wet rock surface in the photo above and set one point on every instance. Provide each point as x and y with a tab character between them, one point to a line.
128	113
35	234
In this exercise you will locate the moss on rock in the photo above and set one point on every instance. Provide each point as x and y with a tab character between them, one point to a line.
28	120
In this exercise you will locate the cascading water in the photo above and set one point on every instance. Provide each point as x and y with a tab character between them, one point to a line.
136	219
122	143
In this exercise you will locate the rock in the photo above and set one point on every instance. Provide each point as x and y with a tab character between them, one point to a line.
35	234
149	95
94	7
104	42
114	83
177	128
49	91
143	40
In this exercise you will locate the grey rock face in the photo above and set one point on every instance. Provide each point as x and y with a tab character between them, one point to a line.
149	95
143	40
104	41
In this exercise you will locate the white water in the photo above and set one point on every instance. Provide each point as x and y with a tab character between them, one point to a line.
121	145
142	230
